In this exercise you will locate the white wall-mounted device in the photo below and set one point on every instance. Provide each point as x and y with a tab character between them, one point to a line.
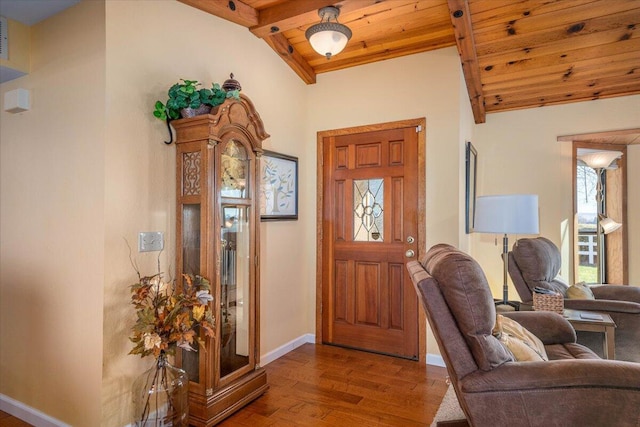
17	101
150	241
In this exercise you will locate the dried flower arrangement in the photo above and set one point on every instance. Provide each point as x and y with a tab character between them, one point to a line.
168	317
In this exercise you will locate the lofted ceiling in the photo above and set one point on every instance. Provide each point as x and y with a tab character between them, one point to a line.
514	53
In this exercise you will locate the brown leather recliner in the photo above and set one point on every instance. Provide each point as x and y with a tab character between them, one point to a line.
493	389
536	262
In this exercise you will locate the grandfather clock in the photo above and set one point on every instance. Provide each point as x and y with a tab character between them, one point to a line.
217	237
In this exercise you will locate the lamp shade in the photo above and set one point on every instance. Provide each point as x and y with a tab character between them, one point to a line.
328	37
608	225
600	159
508	214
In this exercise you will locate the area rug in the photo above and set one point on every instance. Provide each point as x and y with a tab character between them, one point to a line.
449	408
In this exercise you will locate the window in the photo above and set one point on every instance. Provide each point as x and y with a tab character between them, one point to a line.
599	255
586	222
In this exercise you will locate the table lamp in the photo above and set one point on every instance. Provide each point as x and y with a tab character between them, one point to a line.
506	214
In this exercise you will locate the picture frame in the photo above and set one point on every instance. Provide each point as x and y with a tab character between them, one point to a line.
278	187
471	165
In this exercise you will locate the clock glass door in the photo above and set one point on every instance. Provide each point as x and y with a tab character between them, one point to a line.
235	261
235	292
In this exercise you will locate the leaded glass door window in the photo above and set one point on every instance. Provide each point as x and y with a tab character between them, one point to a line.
368	210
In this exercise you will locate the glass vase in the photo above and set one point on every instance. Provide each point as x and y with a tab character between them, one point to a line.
160	396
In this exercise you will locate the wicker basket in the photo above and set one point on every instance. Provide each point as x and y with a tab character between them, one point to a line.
548	302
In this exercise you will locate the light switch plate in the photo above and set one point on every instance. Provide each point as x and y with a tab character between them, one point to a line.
150	241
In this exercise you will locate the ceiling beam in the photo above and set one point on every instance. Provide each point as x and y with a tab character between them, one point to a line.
286	16
463	30
289	15
234	10
280	44
379	52
242	14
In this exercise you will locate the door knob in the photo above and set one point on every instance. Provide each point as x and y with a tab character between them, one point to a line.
410	253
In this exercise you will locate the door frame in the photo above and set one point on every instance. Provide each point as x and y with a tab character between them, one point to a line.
421	128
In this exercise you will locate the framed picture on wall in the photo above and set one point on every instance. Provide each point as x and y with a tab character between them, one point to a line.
278	187
471	162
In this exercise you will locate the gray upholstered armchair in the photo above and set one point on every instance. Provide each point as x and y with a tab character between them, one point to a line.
536	262
493	389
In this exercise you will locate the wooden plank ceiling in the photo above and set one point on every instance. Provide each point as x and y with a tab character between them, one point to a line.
514	53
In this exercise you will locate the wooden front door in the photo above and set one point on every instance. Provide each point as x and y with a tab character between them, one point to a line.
370	185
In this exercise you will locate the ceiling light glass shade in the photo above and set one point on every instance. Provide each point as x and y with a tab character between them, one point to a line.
507	214
608	225
600	159
328	38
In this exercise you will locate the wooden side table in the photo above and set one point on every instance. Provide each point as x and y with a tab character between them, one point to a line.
591	321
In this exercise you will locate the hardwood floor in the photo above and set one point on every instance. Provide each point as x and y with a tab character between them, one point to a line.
7	420
319	385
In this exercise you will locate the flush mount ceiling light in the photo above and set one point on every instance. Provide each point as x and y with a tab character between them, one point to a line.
328	38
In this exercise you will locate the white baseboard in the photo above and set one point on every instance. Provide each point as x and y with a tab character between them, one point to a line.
435	360
28	414
265	359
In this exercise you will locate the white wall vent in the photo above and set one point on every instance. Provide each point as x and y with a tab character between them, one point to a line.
4	39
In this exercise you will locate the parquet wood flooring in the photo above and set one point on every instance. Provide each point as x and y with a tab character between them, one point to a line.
320	385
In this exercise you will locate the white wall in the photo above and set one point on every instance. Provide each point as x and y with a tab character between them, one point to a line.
518	152
466	134
52	222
